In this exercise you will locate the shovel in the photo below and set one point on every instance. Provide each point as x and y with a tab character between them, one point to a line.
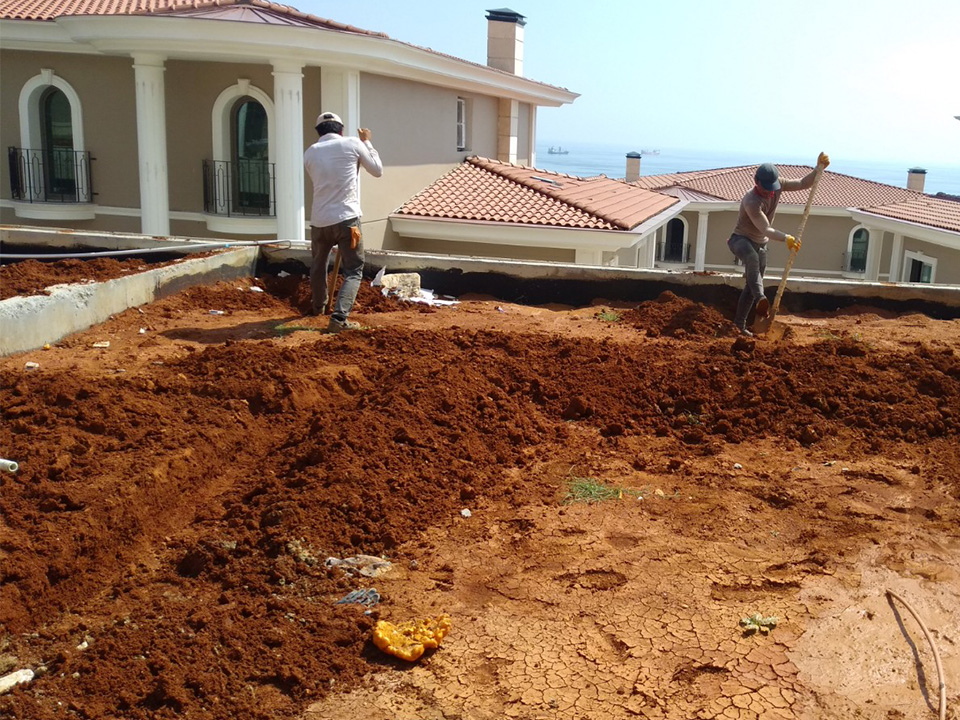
762	324
332	283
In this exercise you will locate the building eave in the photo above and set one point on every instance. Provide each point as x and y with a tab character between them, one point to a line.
206	40
937	236
515	234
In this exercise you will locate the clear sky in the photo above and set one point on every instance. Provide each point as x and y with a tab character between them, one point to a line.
873	80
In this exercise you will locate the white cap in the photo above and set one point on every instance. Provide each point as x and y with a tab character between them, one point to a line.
328	117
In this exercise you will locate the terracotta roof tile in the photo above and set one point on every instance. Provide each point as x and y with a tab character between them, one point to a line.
489	190
925	210
835	190
50	9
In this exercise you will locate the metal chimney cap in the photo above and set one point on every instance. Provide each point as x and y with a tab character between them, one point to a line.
634	154
507	15
917	171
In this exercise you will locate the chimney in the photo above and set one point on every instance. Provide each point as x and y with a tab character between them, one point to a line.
505	40
633	167
916	177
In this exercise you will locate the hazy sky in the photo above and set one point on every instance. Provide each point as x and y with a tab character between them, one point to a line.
877	80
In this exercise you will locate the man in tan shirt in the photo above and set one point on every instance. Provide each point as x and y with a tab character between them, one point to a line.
755	229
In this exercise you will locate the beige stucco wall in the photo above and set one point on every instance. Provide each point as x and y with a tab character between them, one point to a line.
524	147
414	129
824	241
948	260
109	119
485	250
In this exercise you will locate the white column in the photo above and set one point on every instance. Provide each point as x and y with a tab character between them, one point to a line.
340	93
533	135
896	255
152	144
701	242
507	123
288	102
588	257
649	255
874	249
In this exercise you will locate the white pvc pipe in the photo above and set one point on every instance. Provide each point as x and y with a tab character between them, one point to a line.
9	465
199	246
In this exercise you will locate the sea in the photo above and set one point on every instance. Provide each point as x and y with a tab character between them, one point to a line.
587	160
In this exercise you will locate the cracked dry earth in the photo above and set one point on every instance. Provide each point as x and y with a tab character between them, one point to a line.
180	489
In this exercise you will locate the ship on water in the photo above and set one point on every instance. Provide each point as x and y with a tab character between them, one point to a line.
557	151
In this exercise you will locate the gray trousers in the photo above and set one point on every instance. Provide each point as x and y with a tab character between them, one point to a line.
754	259
322	241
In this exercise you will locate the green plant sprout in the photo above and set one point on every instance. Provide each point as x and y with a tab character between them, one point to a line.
755	622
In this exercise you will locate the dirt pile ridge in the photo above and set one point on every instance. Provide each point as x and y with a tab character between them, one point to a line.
163	546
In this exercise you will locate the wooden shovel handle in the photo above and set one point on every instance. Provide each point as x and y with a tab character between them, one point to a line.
332	283
793	255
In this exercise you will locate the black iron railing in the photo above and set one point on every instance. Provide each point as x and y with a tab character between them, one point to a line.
673	251
855	261
50	176
244	187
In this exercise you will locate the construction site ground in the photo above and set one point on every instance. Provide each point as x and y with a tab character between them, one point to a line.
164	544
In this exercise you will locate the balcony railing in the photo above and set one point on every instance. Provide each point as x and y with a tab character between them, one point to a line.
50	176
241	188
673	252
855	261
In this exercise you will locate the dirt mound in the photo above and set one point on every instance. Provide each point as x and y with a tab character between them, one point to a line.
32	277
677	317
164	541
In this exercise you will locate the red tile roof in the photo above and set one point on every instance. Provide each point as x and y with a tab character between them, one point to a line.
925	210
835	190
489	190
50	9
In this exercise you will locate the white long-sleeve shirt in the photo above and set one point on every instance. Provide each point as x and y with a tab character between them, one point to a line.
333	163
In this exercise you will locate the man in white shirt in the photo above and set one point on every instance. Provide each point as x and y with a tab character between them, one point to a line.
333	164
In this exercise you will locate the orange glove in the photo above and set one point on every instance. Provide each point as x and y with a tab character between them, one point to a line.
793	245
354	237
823	161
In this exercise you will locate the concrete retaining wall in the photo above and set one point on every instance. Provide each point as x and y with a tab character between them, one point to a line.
28	323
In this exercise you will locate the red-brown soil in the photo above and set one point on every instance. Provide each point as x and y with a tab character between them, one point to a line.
162	546
33	277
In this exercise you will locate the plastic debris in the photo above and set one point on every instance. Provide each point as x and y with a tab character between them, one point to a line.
737	466
283	274
465	513
31	366
217	312
368	597
755	622
366	565
101	344
254	288
143	331
8	682
409	640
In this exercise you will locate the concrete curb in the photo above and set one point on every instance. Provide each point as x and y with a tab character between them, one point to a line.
29	323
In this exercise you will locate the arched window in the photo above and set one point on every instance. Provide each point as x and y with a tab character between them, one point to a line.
251	147
674	247
240	179
56	133
52	162
857	250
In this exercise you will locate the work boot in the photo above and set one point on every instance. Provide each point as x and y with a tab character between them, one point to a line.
337	326
314	312
743	331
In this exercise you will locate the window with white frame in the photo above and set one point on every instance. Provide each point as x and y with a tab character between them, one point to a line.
51	164
240	179
674	247
858	244
461	123
918	268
